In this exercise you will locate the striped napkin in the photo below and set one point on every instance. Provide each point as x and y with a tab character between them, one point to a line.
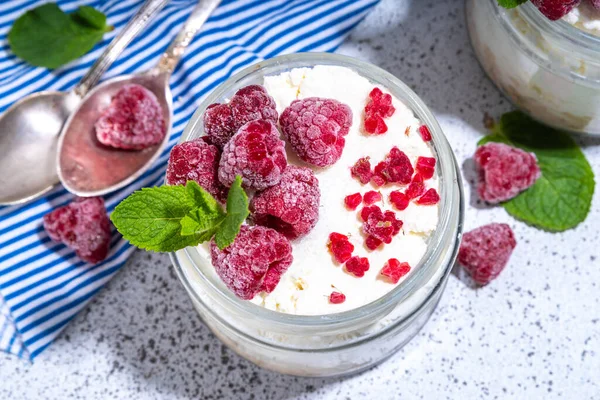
42	283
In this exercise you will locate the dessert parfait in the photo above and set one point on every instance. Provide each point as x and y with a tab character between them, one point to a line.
545	56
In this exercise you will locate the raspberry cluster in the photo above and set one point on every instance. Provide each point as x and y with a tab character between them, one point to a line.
379	107
340	247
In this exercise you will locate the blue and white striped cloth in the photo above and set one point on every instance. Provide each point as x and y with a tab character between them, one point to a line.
42	283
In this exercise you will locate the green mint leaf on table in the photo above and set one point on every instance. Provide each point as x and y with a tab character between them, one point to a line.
511	3
561	198
47	37
237	212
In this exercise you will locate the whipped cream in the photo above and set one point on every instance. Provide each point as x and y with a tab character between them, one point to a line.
585	17
306	285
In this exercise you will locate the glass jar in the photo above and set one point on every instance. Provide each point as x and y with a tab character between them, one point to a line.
345	342
549	69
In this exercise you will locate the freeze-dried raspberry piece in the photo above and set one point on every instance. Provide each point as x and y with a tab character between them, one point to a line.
291	206
337	298
254	262
379	107
371	197
399	200
382	226
366	211
340	247
425	167
197	161
378	180
425	133
416	187
253	102
256	153
219	124
430	198
395	168
484	252
362	170
315	128
353	201
555	9
357	266
504	171
83	226
372	242
134	120
394	270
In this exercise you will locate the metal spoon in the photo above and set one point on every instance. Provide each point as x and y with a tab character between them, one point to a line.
88	168
29	129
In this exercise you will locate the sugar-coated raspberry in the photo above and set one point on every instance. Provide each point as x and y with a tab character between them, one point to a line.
379	107
219	124
352	201
134	120
291	207
504	171
382	226
337	298
357	266
362	170
395	168
394	270
430	198
256	153
197	161
425	133
425	167
315	128
366	211
484	252
371	197
555	9
372	242
340	247
83	226
254	262
399	200
416	187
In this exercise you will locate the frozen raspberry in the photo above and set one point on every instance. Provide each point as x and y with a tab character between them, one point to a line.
315	129
382	226
425	167
83	226
504	171
485	251
595	4
366	211
219	124
353	201
430	198
256	153
379	107
394	270
371	197
340	247
291	207
416	187
134	120
399	200
395	168
337	298
254	262
555	9
362	170
425	133
357	266
372	242
197	161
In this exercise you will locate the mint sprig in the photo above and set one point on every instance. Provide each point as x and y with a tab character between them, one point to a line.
511	3
170	218
561	198
47	37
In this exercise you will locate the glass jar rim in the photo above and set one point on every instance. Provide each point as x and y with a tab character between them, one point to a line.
450	193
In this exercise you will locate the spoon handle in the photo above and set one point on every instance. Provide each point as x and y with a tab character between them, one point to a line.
148	11
168	61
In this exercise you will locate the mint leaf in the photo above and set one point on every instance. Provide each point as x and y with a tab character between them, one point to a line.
562	197
237	212
203	199
511	3
197	221
47	37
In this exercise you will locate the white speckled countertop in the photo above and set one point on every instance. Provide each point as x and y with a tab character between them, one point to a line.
533	333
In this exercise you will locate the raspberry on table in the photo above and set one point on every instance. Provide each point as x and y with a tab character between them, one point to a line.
425	133
337	298
485	251
352	201
504	171
256	153
379	107
394	270
555	9
83	226
197	161
362	170
371	197
430	198
291	206
396	168
357	266
416	187
315	129
382	225
134	120
399	200
254	262
425	167
340	247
